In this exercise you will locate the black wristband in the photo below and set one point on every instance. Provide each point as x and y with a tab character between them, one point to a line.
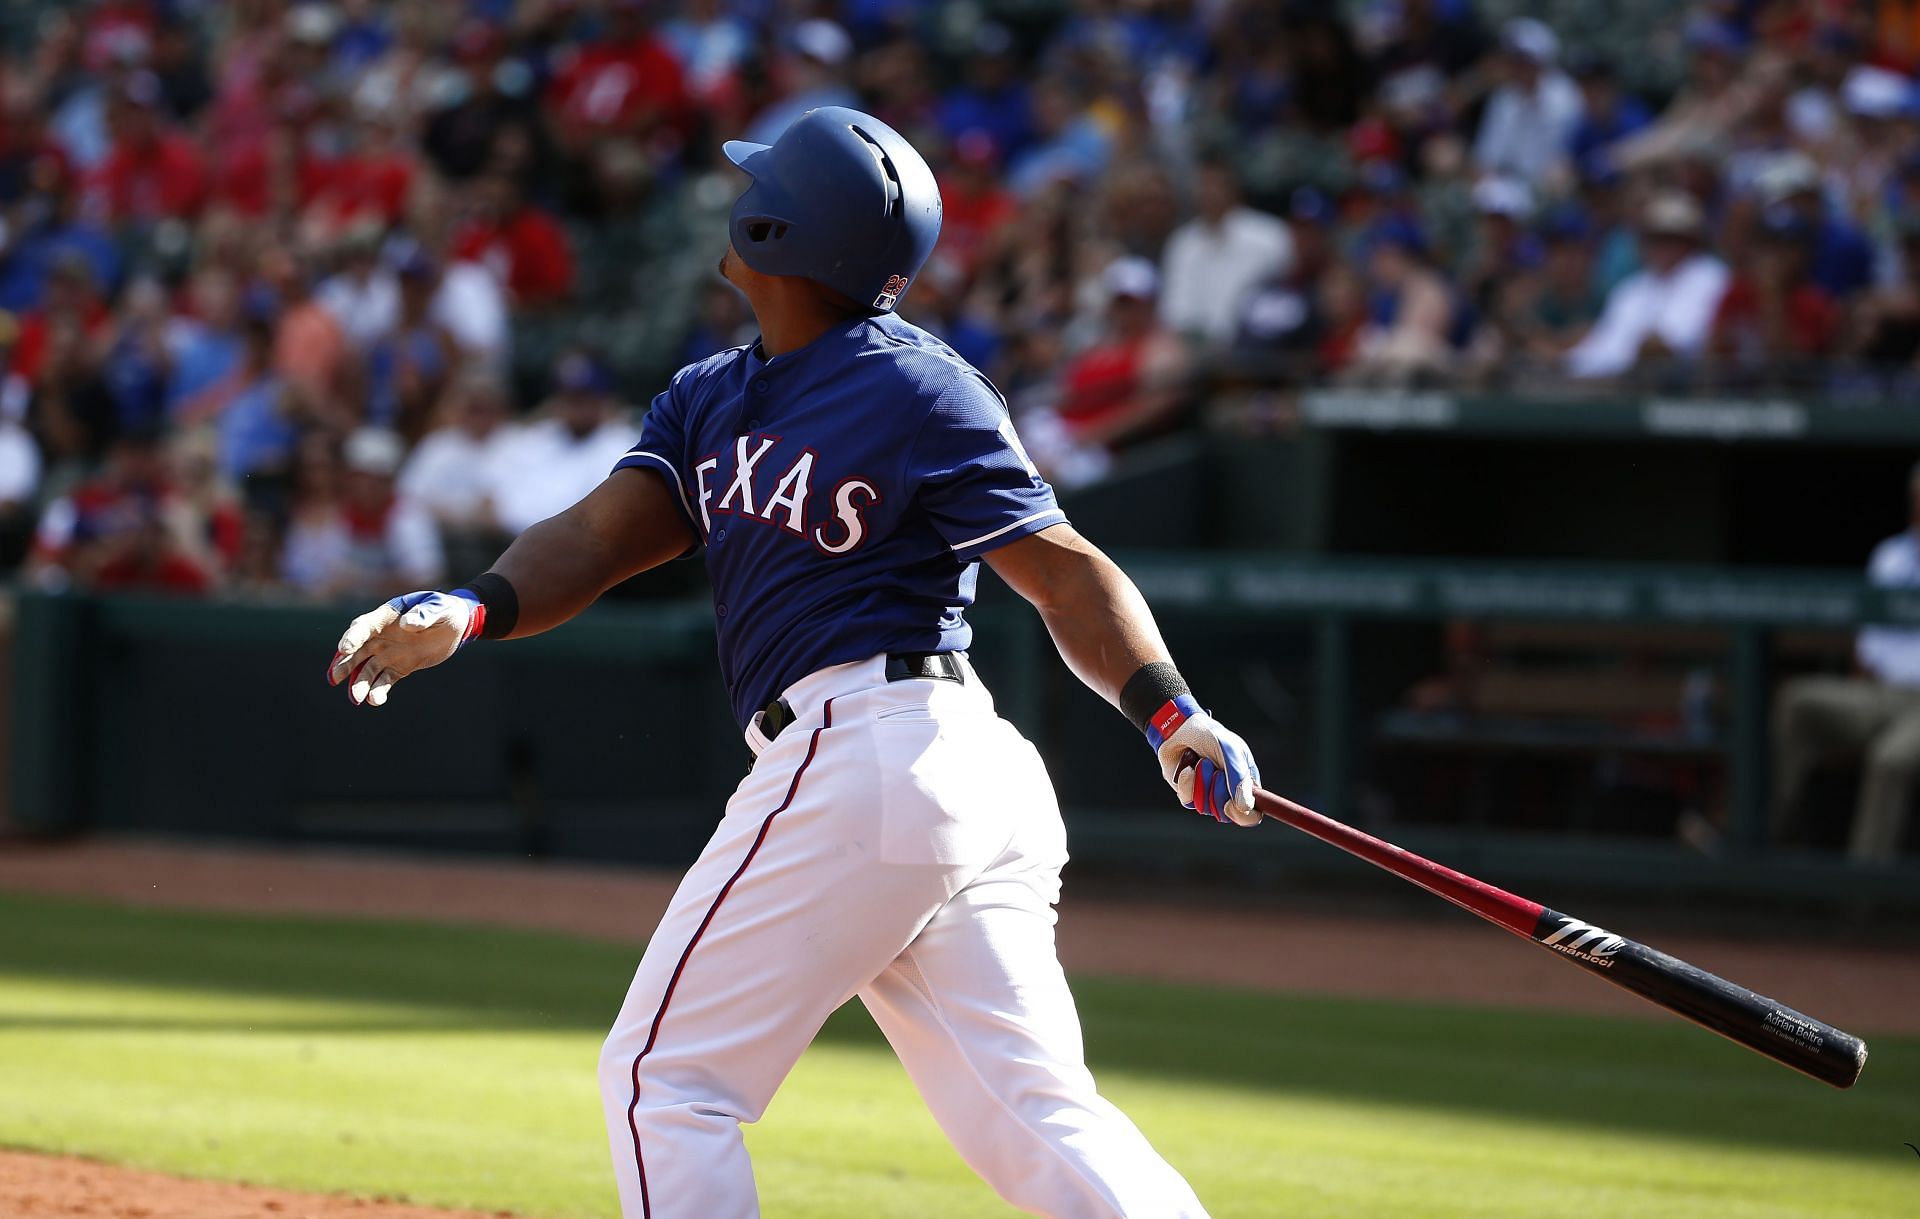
1148	690
501	602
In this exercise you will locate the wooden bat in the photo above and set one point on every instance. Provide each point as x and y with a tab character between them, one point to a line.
1733	1011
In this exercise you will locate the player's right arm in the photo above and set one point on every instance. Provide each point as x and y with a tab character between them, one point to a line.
629	523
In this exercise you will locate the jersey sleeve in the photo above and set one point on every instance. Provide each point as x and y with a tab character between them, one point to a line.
975	480
662	447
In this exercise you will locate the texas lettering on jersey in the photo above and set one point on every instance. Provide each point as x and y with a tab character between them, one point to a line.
781	500
842	495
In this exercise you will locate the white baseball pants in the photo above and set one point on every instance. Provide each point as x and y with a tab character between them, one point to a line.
901	842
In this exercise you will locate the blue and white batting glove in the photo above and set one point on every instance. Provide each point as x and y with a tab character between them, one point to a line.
1208	766
407	634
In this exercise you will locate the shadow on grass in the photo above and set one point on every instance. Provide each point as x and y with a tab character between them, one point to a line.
1662	1077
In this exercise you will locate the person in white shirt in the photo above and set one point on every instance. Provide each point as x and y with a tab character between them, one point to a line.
1874	715
450	471
1530	119
1666	309
1214	261
550	465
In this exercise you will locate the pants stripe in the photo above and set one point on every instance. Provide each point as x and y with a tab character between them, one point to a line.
653	1033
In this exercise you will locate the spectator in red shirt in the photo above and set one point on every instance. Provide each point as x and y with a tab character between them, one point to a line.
524	247
1129	383
153	173
1775	315
975	204
627	83
279	172
112	531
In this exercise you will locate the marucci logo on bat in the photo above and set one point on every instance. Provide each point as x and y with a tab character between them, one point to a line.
1577	939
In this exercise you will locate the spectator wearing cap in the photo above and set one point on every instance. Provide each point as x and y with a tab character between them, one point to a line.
351	534
1872	717
991	98
1608	114
407	369
1665	310
1550	312
488	96
1215	260
153	172
1842	256
1130	382
1775	317
810	72
1503	245
520	242
555	461
1530	120
1411	310
1710	104
974	204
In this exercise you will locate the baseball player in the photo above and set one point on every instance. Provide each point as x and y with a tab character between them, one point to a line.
895	839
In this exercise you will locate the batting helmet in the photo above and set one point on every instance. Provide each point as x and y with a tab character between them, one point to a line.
841	199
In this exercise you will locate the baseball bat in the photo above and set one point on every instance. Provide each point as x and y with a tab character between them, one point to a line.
1736	1013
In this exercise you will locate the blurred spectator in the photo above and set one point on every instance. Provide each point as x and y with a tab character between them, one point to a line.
408	366
112	531
724	321
551	464
811	73
44	225
1071	144
624	83
974	202
1775	317
991	100
1665	311
1549	312
1127	386
1841	257
522	244
1874	716
1531	118
1608	114
1214	260
450	472
310	350
350	533
153	172
1410	311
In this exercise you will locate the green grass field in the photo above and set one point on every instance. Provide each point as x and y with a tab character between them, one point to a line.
455	1066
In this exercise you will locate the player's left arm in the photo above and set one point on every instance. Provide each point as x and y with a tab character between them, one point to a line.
1108	637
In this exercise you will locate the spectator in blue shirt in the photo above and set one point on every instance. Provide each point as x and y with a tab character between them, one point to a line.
1611	113
992	98
49	227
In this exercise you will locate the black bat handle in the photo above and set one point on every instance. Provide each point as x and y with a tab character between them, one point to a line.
1736	1013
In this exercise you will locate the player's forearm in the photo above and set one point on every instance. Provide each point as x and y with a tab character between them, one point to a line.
556	568
1099	621
560	566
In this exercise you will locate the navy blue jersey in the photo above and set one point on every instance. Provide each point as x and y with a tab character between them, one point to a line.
844	493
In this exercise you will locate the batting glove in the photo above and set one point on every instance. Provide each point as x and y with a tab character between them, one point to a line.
1208	766
403	636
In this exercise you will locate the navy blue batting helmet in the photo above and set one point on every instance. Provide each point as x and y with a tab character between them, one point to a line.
841	199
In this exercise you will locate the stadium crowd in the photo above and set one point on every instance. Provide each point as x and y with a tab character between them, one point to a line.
327	297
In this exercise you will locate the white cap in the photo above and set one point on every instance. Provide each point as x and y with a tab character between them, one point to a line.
1786	175
1131	276
375	450
818	38
1532	38
1501	196
1875	93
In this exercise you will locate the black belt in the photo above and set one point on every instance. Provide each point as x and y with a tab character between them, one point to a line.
901	666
